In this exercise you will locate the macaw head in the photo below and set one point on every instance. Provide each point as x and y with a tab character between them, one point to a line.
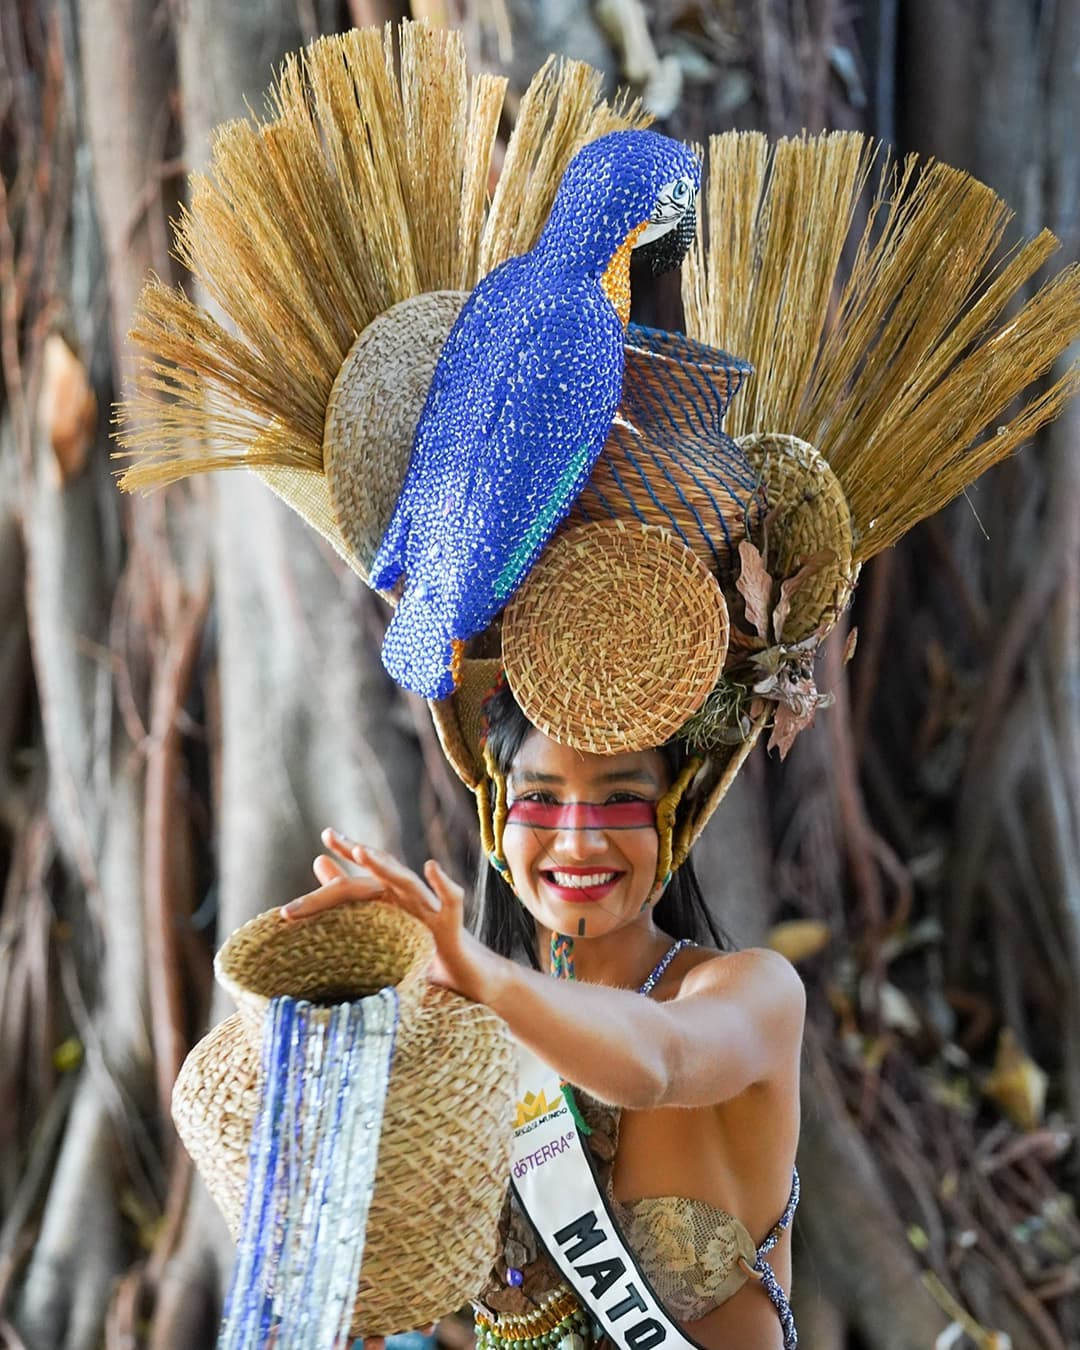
616	184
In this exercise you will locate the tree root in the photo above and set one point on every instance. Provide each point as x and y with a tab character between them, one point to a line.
848	1226
80	1248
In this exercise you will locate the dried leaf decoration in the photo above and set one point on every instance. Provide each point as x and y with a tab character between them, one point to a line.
787	679
755	587
811	567
776	673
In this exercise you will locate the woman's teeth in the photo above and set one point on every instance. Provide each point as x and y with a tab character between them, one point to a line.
578	882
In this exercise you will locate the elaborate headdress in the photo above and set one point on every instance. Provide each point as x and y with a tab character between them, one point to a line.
540	490
693	575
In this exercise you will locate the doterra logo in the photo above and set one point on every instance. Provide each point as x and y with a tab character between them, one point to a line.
578	1239
529	1162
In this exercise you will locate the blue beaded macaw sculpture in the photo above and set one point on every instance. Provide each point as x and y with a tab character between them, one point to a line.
522	399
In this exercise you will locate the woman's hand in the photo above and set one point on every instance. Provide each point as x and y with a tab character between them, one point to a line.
461	962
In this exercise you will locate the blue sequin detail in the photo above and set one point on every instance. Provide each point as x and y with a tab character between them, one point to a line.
519	407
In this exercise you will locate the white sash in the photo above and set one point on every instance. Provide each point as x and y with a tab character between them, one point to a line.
555	1183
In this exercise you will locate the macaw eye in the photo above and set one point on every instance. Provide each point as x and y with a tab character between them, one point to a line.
681	190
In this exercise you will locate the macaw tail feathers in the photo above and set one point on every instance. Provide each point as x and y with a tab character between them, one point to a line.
418	652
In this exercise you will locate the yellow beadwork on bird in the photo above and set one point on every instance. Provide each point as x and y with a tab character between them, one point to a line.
616	278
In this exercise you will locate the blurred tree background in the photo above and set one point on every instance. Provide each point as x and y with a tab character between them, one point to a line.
190	690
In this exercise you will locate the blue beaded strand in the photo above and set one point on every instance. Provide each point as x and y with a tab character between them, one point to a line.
314	1147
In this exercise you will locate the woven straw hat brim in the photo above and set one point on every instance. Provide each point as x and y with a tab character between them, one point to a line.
374	407
615	639
444	1151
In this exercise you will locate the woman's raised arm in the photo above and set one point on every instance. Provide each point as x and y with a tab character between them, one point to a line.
730	1026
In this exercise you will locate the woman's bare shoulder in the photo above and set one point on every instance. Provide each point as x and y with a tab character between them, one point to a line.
755	975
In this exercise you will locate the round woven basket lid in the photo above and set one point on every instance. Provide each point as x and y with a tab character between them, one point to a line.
374	407
808	516
444	1150
615	639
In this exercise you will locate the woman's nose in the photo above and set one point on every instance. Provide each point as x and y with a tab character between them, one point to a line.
577	835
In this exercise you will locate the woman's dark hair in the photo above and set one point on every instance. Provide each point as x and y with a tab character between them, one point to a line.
497	916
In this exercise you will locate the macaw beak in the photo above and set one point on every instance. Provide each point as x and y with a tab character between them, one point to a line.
666	249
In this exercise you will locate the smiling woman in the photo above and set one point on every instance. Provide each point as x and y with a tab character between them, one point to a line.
684	1059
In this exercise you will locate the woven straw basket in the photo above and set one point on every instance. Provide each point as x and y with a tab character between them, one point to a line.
444	1152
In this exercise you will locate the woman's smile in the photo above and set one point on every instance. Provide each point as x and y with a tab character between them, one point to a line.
581	885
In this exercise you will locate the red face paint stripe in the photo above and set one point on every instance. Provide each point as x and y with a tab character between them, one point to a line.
583	815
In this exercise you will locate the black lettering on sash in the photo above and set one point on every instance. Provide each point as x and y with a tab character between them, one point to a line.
645	1335
586	1232
603	1275
632	1302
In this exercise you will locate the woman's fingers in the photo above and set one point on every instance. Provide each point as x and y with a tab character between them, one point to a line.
327	870
340	890
444	886
401	880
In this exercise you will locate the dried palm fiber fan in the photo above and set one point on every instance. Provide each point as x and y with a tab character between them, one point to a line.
440	1159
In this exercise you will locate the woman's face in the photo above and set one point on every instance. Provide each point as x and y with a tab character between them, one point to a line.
580	871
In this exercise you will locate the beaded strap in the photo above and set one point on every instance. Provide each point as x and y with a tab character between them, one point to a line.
653	978
767	1275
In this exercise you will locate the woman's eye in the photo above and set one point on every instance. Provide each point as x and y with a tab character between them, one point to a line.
545	798
614	798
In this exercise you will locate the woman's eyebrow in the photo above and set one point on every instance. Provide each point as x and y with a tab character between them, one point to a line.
627	775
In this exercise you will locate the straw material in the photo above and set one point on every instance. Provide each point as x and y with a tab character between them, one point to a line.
615	639
362	188
444	1153
808	519
895	373
374	408
708	791
459	719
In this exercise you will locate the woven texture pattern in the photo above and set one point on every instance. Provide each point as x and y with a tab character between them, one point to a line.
667	460
809	517
445	1149
373	411
616	639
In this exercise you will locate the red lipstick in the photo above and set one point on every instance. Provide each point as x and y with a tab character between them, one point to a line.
578	895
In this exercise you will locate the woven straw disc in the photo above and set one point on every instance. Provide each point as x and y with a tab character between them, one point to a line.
459	719
615	639
444	1152
374	407
809	514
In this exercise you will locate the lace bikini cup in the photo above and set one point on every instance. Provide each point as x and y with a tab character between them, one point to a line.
691	1252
